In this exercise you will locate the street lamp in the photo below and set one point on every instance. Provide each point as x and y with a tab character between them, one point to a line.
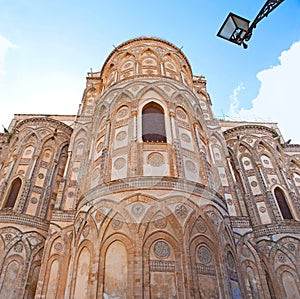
237	30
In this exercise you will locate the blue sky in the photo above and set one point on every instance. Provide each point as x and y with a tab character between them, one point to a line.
47	47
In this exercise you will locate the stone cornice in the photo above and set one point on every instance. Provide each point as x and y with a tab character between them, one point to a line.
154	183
21	219
286	227
38	120
252	128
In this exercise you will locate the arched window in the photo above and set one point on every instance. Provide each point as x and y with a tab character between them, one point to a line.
153	122
283	206
13	193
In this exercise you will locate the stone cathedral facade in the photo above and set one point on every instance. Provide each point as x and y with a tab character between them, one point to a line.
145	194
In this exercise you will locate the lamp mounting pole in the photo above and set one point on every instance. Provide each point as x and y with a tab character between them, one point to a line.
268	7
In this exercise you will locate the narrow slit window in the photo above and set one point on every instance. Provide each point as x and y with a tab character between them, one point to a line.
153	123
13	193
283	206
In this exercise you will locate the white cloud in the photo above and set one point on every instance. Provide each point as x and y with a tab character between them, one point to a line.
5	45
279	97
234	106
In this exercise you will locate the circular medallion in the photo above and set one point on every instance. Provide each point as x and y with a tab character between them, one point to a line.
137	209
40	175
181	211
246	163
201	225
33	200
292	246
160	222
119	163
117	224
245	252
121	136
161	249
58	247
229	201
242	149
33	241
190	166
204	255
260	148
254	184
8	237
281	258
155	159
18	247
185	138
181	114
262	209
123	112
203	105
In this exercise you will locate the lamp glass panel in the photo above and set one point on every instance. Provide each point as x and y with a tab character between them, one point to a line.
228	28
241	23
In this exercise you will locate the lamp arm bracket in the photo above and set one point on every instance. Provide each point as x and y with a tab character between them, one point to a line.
269	6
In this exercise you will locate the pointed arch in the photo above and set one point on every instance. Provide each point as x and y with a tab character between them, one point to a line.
120	245
28	151
150	63
127	65
153	123
82	273
124	98
152	91
282	203
13	193
116	270
171	66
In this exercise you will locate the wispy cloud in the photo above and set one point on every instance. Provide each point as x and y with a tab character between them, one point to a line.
235	103
279	98
5	45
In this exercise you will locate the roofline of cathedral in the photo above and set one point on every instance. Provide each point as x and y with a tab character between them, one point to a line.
46	118
144	38
250	126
